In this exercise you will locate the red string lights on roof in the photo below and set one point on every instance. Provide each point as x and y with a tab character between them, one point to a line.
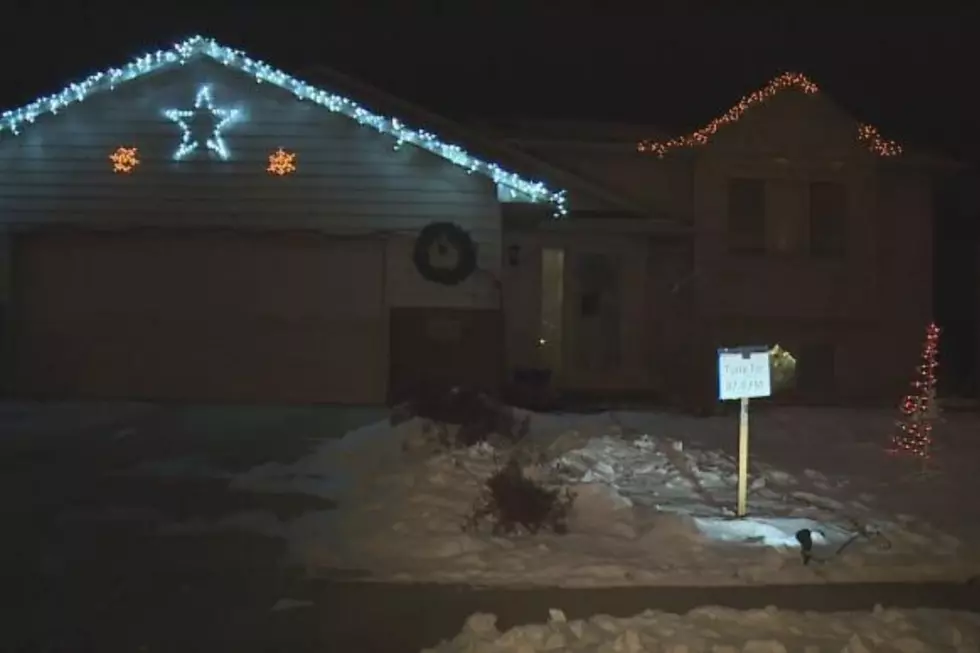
919	408
866	134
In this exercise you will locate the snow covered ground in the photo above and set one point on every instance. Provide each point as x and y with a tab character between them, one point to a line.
655	503
721	630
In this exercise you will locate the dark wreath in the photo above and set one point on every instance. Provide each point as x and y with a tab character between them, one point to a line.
444	236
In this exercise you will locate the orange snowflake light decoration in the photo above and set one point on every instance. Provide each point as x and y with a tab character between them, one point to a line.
124	160
866	134
282	162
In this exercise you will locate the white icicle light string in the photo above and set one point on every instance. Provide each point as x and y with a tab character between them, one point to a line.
11	121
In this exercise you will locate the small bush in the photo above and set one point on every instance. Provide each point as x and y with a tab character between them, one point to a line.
478	417
512	503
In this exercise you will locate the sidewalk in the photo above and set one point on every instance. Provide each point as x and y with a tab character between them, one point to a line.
128	589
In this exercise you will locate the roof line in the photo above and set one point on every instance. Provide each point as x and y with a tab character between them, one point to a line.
491	145
590	187
12	121
866	134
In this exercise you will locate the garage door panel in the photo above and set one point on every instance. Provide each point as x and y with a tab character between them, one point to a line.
313	362
276	276
276	319
55	361
338	359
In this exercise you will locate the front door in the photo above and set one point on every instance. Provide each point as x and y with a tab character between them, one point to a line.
593	317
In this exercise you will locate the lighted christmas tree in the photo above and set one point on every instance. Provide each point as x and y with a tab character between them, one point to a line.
919	409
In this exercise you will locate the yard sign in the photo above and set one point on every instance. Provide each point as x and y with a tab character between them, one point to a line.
743	374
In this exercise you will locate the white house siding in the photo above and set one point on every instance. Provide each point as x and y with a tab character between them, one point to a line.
350	179
6	267
351	183
407	288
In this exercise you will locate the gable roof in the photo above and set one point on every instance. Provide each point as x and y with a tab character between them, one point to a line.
866	134
580	132
15	120
491	145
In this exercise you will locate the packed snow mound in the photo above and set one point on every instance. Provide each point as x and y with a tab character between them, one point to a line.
651	507
722	630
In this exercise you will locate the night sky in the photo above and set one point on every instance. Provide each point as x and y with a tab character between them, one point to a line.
914	77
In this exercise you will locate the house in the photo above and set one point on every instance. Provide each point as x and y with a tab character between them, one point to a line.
173	230
197	225
956	276
784	221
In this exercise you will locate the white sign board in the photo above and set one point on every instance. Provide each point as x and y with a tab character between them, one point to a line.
743	374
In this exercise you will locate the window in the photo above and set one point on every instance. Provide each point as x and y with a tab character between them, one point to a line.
747	216
828	219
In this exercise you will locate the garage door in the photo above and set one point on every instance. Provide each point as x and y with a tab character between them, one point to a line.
214	317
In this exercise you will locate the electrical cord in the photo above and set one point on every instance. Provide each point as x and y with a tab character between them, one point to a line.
805	537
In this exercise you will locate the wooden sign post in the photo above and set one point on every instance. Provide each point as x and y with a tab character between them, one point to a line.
743	374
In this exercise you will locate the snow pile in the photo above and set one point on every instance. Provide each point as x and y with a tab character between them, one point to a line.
722	630
662	475
649	509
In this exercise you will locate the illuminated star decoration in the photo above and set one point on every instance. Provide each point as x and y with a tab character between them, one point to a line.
18	120
184	118
124	159
282	162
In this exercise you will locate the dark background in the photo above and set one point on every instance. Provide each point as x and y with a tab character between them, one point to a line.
915	77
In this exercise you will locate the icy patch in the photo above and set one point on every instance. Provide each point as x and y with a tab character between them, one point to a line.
665	475
773	532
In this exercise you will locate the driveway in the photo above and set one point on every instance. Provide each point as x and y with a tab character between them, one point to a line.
84	567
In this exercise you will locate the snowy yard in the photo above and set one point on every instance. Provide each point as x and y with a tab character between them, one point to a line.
654	506
722	630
